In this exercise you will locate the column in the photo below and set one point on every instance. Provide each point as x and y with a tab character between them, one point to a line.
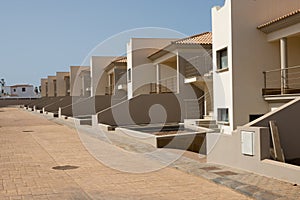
157	79
284	64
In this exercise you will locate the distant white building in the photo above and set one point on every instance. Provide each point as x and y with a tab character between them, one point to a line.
25	91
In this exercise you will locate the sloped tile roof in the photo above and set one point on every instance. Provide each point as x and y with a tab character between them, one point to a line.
203	38
199	39
122	59
279	19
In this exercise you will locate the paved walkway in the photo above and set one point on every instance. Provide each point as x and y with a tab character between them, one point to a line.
30	146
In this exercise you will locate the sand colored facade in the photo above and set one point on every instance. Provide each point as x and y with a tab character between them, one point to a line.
52	89
80	81
44	87
99	77
250	52
185	67
140	69
63	83
251	40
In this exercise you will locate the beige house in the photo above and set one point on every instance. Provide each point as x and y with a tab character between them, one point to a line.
141	72
99	76
80	81
52	89
256	48
116	83
184	64
44	87
63	84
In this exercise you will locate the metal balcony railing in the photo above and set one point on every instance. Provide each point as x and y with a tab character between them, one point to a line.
165	85
168	85
282	81
198	65
194	108
153	88
109	90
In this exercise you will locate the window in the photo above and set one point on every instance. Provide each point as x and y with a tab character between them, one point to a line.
129	75
223	115
14	90
222	56
23	89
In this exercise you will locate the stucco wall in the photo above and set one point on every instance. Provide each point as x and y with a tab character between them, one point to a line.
252	54
18	91
226	150
44	86
140	110
98	74
294	51
222	87
249	54
61	101
51	86
14	102
61	83
143	71
287	119
76	85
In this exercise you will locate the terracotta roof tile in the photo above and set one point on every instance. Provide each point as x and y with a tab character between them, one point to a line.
279	18
122	59
203	38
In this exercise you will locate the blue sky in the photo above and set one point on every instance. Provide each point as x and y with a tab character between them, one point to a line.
38	38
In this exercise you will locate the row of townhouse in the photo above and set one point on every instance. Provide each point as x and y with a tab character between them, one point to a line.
152	68
234	81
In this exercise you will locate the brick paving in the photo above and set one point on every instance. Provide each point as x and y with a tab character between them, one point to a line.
253	185
30	146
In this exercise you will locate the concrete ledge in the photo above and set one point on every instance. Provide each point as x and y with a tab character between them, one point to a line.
137	135
193	141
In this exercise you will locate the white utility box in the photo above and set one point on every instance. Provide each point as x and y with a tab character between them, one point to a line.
247	138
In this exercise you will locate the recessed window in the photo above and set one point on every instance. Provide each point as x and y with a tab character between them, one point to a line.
129	75
223	115
222	56
14	90
23	89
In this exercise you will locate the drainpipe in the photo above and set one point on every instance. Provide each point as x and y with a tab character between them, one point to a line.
284	64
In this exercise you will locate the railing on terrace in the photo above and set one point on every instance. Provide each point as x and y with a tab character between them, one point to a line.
165	85
109	90
168	85
194	108
282	81
198	66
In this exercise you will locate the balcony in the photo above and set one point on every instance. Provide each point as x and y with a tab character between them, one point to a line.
285	81
165	85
